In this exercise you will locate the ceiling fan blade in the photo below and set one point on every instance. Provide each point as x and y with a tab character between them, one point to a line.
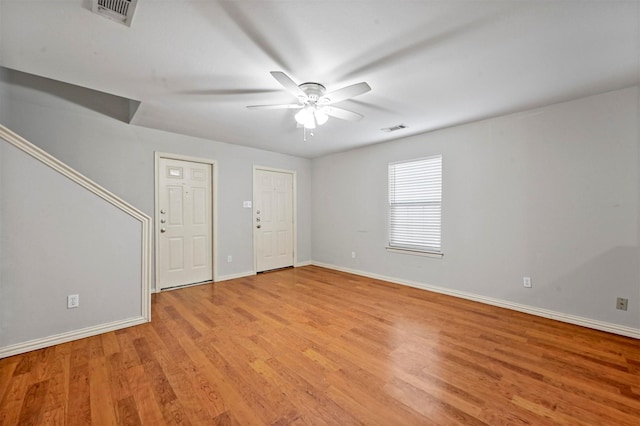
282	106
344	93
242	18
289	84
341	113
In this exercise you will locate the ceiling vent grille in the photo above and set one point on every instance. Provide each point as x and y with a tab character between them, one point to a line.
394	128
117	10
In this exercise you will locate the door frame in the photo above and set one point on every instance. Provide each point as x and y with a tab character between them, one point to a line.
156	214
294	202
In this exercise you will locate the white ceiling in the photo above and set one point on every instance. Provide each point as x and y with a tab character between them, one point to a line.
195	65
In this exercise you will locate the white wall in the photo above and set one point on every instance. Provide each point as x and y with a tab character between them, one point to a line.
551	193
57	239
120	157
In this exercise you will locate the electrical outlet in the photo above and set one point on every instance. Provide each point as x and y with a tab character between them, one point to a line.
621	303
526	281
353	254
73	301
229	259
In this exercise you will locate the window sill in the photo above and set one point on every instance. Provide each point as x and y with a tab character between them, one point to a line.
435	254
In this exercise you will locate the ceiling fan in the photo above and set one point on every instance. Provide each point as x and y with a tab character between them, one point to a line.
315	105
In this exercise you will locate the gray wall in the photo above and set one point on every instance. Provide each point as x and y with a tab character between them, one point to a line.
56	239
120	157
550	193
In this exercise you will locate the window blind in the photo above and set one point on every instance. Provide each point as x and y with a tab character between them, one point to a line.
415	204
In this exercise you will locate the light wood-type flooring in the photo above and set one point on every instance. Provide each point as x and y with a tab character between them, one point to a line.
311	346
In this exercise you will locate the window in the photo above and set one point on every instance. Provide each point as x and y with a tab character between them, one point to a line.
415	201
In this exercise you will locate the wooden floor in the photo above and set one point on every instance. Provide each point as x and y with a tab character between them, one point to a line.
313	346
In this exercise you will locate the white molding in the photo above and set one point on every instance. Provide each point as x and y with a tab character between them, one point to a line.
234	276
294	201
78	178
414	252
545	313
252	273
179	287
214	209
68	336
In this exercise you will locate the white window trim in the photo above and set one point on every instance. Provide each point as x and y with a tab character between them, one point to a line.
427	251
424	253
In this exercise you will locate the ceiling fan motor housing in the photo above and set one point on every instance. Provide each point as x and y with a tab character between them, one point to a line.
314	91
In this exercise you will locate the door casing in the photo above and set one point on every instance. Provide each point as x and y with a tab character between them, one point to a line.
214	215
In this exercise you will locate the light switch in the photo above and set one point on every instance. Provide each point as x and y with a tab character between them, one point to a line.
246	204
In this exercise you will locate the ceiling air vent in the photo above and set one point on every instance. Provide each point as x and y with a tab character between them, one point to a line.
394	128
117	10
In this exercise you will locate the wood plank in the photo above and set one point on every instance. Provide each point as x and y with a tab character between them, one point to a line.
7	367
103	406
78	400
148	410
12	401
33	403
127	412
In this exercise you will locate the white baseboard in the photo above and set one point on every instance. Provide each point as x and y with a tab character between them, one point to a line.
57	339
559	316
248	274
234	276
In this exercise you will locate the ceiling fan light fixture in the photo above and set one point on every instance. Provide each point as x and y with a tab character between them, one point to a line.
310	116
321	116
304	116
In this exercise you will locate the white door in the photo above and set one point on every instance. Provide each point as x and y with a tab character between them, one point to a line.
184	228
273	219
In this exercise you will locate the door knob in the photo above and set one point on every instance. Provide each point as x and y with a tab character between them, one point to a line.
163	230
259	226
163	211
